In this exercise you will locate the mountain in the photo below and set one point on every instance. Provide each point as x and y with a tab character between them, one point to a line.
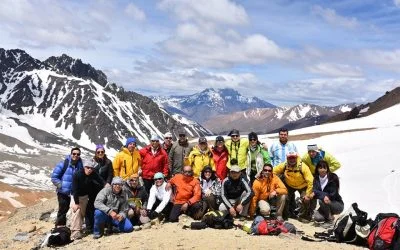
389	99
63	100
267	120
210	103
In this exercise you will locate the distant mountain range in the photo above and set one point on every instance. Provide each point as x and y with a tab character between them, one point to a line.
65	101
209	103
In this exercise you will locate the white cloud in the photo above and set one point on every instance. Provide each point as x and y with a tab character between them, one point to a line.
335	70
396	2
216	11
384	59
133	11
330	16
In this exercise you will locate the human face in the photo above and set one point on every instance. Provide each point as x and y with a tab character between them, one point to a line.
116	188
220	144
182	137
312	153
207	174
88	170
155	143
187	171
158	181
292	160
235	175
322	171
203	145
283	137
267	171
100	153
167	140
235	138
253	142
131	146
133	182
75	155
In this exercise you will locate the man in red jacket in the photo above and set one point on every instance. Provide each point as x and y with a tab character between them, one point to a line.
187	193
154	159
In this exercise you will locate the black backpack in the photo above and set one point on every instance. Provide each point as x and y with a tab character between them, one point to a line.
59	236
218	219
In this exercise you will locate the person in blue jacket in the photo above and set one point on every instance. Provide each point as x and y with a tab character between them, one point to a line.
62	178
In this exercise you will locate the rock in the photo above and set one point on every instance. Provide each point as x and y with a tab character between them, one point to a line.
21	237
146	226
31	228
136	228
46	215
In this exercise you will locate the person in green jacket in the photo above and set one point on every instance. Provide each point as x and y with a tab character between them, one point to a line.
257	157
237	149
315	154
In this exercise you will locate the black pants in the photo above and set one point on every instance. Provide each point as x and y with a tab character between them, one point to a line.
194	211
147	183
63	207
165	212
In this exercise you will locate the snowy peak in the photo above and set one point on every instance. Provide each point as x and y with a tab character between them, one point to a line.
17	60
209	103
68	65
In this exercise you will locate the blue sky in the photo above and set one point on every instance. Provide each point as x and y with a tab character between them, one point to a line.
283	51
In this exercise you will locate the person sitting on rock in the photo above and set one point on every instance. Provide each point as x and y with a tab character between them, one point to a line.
315	154
159	205
111	206
83	184
137	199
297	177
187	195
326	192
269	194
236	193
210	189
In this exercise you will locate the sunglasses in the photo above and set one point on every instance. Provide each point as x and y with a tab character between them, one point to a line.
188	172
182	135
234	136
78	154
168	138
155	141
253	140
89	168
100	152
267	170
158	179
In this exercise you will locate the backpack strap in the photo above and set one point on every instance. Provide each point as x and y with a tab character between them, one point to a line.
65	166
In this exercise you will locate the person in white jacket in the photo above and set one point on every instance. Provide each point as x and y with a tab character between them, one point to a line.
159	205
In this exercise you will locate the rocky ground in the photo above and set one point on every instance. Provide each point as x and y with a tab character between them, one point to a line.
26	226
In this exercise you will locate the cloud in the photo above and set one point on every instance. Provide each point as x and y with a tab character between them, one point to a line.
216	11
133	11
330	16
384	59
396	2
335	70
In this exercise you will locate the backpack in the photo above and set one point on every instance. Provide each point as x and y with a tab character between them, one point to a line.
218	219
262	226
59	236
385	234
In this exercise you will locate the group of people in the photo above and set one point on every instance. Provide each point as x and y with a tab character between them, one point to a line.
165	179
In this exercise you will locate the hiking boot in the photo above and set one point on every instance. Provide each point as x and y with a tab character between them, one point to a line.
76	235
97	236
327	225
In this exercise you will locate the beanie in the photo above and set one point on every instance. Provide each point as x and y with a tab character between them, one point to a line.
253	136
98	146
129	141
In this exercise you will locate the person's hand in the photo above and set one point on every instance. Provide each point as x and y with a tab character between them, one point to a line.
168	187
119	217
327	200
239	208
143	212
306	197
140	172
208	193
272	194
312	195
232	211
113	215
184	207
75	207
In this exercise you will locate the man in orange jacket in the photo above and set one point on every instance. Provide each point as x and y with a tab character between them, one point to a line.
187	192
269	192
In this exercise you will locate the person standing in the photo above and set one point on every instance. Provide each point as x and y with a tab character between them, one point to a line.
257	157
128	161
278	150
167	144
201	156
221	157
62	178
237	149
178	155
154	159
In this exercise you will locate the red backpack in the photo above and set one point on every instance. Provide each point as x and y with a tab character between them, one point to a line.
385	234
271	227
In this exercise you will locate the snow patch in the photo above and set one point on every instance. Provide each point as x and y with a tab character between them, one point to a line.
7	195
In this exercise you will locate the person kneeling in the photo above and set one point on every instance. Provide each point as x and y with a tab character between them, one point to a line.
269	194
159	205
236	193
111	206
187	195
137	199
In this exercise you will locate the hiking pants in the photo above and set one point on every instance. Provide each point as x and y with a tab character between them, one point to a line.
235	202
101	218
278	202
78	215
305	208
327	210
194	211
64	201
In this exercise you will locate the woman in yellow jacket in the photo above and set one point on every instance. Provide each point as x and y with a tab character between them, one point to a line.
128	161
200	157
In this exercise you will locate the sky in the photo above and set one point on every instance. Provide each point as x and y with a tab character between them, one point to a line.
282	51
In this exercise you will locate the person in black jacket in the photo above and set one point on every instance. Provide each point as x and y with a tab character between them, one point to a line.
103	166
137	198
236	193
326	192
82	185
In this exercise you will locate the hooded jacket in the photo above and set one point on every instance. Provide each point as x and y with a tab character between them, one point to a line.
104	168
187	189
321	155
220	160
126	163
238	150
297	177
262	187
107	200
331	189
152	164
139	193
233	189
262	157
198	160
64	182
177	154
